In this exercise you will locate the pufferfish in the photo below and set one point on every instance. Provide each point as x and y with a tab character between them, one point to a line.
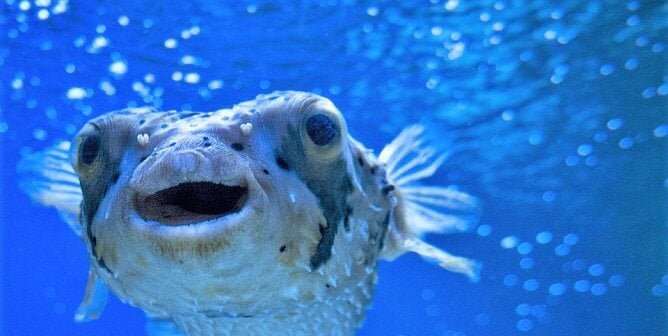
263	219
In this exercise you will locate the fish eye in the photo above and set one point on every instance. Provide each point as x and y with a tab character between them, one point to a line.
321	129
89	149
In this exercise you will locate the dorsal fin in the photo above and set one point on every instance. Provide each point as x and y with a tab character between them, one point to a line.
48	178
424	209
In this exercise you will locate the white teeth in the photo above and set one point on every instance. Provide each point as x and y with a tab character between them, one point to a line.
184	162
142	139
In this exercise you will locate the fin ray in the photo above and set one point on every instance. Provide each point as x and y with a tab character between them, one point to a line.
49	179
425	209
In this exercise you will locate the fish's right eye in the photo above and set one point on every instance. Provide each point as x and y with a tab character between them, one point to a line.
90	149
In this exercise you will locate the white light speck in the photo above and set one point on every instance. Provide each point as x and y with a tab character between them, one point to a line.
149	78
118	68
17	83
123	20
484	230
185	34
191	78
42	3
100	42
195	30
188	59
76	93
550	34
451	5
216	84
436	30
251	9
24	5
39	134
509	242
171	43
372	11
107	88
100	29
177	76
43	14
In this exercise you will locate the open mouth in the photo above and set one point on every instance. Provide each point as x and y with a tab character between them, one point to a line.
191	202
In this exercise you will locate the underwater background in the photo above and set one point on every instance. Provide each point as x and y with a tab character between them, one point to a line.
555	114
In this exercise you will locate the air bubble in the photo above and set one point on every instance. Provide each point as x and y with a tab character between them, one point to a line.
631	64
660	290
523	309
615	124
510	280
530	285
524	325
584	150
581	286
171	43
39	134
626	143
562	250
524	248
557	289
123	20
649	92
607	69
527	262
596	270
76	93
571	239
191	78
549	196
616	280
118	68
509	242
544	237
484	230
598	289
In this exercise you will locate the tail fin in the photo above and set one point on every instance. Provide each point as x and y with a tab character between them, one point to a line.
425	209
48	178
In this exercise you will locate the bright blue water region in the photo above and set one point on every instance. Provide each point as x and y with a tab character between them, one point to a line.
555	114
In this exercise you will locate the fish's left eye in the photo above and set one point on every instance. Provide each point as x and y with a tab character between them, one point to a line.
89	149
321	129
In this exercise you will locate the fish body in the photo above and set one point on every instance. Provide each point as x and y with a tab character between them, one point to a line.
265	218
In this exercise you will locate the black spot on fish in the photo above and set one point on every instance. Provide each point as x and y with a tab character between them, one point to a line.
164	126
282	249
207	144
360	161
386	189
373	170
237	146
328	285
346	219
115	177
142	121
205	138
143	159
282	163
265	171
172	144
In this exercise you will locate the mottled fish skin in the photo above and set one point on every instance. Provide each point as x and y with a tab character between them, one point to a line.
295	250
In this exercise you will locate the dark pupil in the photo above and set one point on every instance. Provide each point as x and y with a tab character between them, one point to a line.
89	149
321	129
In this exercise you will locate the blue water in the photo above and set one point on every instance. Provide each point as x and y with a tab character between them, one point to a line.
556	114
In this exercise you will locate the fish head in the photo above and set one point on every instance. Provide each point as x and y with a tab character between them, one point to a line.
230	213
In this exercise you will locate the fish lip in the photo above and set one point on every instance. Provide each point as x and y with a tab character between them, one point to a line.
191	202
